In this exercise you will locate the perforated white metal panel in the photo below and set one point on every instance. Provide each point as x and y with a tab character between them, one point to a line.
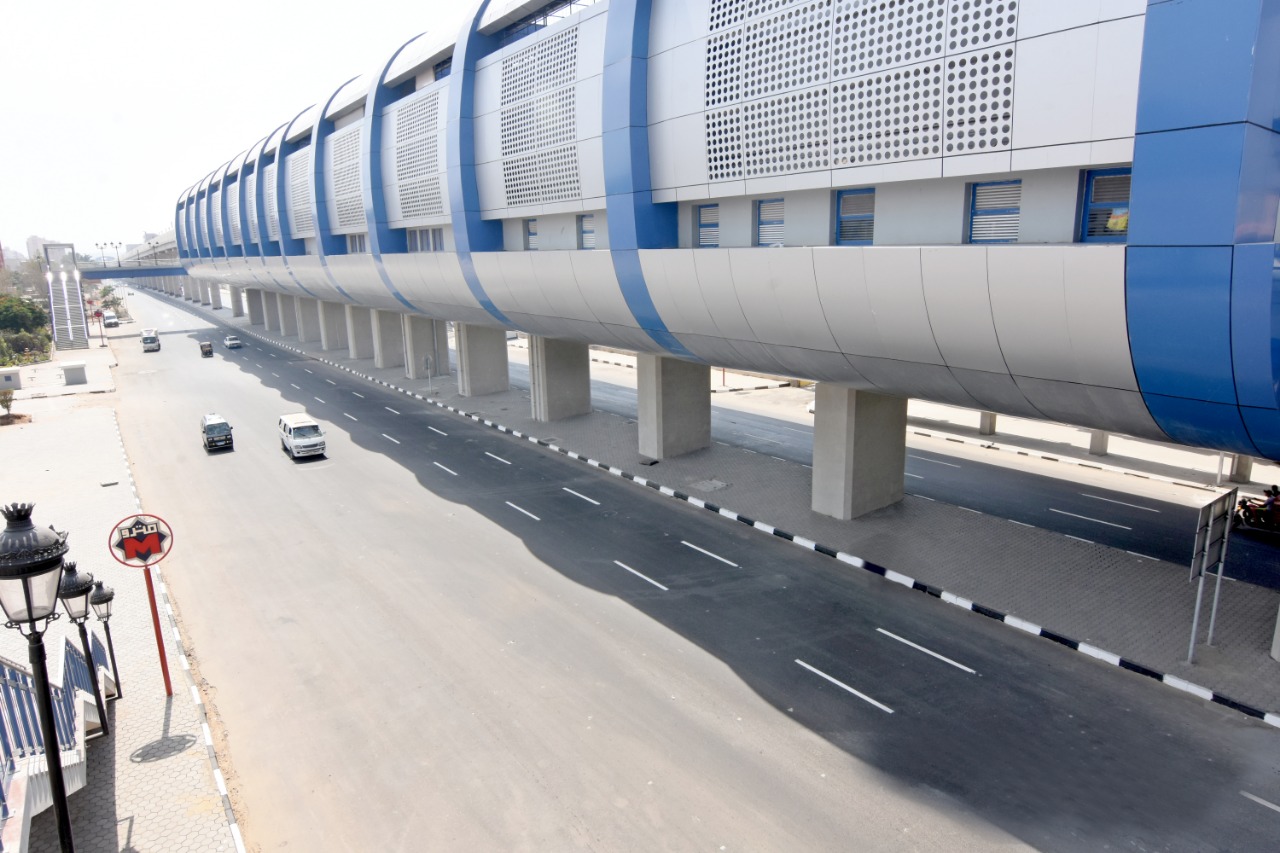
233	212
871	35
724	68
549	64
788	133
543	177
301	224
787	50
204	221
727	12
250	199
192	236
980	23
980	101
887	117
344	171
217	218
540	123
269	192
418	157
724	144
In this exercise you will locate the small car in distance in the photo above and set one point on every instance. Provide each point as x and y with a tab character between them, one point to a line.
300	435
215	433
232	342
206	349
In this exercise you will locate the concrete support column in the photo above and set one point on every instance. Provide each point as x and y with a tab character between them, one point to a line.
333	326
987	423
559	378
205	288
271	306
859	451
237	301
1098	439
1241	469
359	332
425	339
288	315
308	318
482	360
674	406
253	300
215	295
388	338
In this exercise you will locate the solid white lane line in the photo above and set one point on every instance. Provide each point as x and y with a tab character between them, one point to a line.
391	410
353	417
919	648
934	461
389	438
914	476
1122	503
299	387
1260	801
587	499
438	465
637	574
331	382
318	400
864	697
525	511
1087	518
708	553
433	429
357	393
499	458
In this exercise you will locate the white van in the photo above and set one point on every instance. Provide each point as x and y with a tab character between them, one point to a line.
300	435
110	320
151	340
215	433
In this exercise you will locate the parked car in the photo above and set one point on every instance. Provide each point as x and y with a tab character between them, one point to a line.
300	435
231	342
110	320
215	433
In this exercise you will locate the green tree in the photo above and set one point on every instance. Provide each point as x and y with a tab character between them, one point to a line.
21	315
6	401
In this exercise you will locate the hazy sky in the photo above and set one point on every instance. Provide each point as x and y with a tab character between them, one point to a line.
111	108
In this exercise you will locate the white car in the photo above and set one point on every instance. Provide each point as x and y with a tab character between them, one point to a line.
231	342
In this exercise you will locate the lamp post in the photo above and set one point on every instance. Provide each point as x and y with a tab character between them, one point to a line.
102	251
74	589
101	599
30	560
116	246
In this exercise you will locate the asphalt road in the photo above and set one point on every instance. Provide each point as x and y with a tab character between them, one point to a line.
441	637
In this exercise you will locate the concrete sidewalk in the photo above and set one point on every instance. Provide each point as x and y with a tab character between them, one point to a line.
1122	608
151	784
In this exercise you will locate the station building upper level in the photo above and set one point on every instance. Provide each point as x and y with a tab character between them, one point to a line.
1051	209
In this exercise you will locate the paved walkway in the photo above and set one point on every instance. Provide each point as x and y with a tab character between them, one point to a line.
151	786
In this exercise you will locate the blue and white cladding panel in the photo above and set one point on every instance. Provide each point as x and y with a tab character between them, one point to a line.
1173	334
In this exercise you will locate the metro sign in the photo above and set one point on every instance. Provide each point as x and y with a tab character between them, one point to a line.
140	540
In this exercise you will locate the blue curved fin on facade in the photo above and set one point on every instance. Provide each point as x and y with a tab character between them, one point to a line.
634	221
471	233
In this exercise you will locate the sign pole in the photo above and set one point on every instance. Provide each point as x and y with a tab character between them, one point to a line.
155	623
141	541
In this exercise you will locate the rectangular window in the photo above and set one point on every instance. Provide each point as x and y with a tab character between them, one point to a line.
855	217
443	67
708	226
356	244
587	231
425	239
531	235
769	214
1106	206
994	212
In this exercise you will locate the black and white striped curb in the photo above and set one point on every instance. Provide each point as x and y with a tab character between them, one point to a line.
218	778
1009	619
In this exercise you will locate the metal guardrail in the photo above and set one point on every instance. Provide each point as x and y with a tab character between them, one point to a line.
130	263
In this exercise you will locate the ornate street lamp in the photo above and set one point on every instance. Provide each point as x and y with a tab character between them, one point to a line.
74	589
116	246
30	560
100	600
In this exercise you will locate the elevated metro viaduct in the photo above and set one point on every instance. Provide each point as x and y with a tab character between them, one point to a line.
1046	209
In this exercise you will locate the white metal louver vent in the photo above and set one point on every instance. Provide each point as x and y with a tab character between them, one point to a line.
233	212
788	50
709	226
543	177
541	67
544	122
270	194
418	158
979	115
217	218
996	212
770	224
251	202
787	133
887	117
301	223
348	189
871	35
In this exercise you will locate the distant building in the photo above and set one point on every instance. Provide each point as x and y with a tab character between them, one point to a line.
35	246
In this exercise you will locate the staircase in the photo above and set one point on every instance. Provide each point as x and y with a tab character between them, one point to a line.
66	307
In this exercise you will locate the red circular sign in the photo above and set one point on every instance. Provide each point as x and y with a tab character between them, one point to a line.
140	540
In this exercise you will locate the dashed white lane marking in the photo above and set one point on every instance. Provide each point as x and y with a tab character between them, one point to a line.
307	369
273	355
864	697
331	382
357	393
353	417
317	399
934	461
779	458
1087	518
499	458
929	652
762	438
391	410
1079	539
1021	523
259	366
442	432
438	465
931	500
708	553
588	500
637	574
914	476
389	438
276	375
296	386
1136	554
1122	503
1260	801
521	509
971	509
